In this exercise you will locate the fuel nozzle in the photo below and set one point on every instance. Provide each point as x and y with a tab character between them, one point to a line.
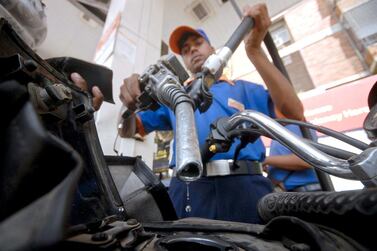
213	67
215	63
161	83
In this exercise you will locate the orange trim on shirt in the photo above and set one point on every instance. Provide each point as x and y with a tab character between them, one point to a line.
139	126
222	78
225	79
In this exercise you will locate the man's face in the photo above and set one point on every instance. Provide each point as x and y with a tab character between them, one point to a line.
195	50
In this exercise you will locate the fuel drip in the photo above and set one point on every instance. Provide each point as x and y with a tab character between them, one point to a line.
188	206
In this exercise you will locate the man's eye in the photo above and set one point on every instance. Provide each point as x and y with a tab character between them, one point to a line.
198	41
184	50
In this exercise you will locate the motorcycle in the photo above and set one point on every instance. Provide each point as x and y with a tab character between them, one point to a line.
58	191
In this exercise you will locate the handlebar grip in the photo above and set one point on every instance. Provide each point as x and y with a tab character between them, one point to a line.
243	28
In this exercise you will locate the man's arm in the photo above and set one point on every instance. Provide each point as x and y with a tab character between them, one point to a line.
281	91
289	162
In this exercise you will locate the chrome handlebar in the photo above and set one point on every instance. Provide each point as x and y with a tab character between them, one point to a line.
362	167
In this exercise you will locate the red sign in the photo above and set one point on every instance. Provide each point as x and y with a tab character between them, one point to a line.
342	108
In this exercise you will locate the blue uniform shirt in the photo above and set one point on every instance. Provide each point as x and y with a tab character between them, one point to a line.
232	198
226	97
291	179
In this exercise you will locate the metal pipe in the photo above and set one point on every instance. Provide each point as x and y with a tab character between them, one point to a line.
323	178
189	166
318	159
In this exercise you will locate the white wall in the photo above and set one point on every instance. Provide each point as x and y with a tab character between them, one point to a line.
137	45
222	21
68	34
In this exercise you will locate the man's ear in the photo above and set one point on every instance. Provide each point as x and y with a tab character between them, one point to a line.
213	49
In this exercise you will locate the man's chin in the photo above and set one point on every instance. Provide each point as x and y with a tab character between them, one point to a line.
197	67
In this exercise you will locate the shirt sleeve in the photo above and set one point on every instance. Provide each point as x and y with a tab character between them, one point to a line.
155	120
259	99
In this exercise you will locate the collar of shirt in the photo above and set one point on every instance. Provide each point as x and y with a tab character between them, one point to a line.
222	78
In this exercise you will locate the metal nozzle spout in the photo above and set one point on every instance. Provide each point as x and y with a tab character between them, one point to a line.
189	165
190	172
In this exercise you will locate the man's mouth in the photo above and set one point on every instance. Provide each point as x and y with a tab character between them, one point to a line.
196	59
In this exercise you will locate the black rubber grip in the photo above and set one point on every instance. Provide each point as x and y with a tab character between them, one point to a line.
347	211
308	205
243	28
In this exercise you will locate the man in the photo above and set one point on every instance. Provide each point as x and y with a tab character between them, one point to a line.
287	171
230	197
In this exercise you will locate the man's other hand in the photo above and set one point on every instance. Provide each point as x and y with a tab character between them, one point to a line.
96	92
262	22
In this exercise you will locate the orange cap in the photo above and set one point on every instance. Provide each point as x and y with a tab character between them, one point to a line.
179	32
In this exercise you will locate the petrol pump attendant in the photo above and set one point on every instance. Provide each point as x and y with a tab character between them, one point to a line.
287	171
230	197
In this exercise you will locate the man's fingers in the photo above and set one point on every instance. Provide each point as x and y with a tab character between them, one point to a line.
256	14
132	85
260	15
79	81
126	99
97	98
129	91
96	92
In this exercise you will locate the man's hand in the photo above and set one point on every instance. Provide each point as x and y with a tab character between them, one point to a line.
265	166
262	21
129	91
96	92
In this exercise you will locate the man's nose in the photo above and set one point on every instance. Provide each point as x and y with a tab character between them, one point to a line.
193	49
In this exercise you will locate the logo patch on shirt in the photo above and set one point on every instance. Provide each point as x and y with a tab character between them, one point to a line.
236	105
